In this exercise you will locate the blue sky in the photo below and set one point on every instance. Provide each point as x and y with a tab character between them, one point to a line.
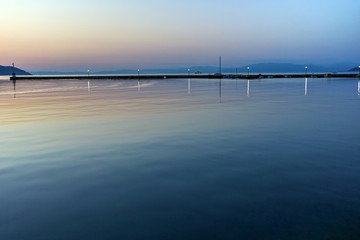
108	34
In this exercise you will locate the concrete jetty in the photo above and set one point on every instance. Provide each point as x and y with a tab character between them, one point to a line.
180	76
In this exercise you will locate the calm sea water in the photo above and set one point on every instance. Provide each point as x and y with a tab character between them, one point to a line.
180	159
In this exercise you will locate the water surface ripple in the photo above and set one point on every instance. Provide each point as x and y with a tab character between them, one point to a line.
180	159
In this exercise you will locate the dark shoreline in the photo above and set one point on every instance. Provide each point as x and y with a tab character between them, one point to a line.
176	76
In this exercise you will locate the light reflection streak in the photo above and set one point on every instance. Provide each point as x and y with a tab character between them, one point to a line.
189	86
248	88
14	85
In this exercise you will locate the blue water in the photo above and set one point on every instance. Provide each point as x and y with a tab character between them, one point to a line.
180	159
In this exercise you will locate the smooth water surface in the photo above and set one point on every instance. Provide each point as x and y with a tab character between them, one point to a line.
180	159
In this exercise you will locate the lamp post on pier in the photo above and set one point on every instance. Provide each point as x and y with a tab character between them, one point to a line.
88	71
248	68
13	73
220	65
188	72
306	70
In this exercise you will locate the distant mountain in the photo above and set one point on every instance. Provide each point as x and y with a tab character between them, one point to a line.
355	69
57	73
254	68
184	70
134	71
8	70
283	68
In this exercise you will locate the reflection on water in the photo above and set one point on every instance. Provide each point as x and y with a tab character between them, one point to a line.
306	86
14	85
189	86
248	88
158	164
220	91
359	88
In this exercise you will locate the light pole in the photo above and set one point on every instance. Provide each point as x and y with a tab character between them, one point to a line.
13	74
306	70
188	72
88	71
248	68
359	70
220	65
138	73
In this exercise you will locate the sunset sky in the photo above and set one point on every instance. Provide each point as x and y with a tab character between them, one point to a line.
73	35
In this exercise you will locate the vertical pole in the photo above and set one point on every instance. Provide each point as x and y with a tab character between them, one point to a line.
220	64
13	74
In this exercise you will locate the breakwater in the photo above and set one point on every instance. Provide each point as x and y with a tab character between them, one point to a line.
181	76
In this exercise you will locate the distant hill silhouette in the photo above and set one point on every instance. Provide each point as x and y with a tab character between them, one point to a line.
283	68
254	68
355	69
8	70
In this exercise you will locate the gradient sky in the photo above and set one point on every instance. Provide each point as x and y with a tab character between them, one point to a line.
75	35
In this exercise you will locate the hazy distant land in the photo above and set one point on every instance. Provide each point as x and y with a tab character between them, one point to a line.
254	68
